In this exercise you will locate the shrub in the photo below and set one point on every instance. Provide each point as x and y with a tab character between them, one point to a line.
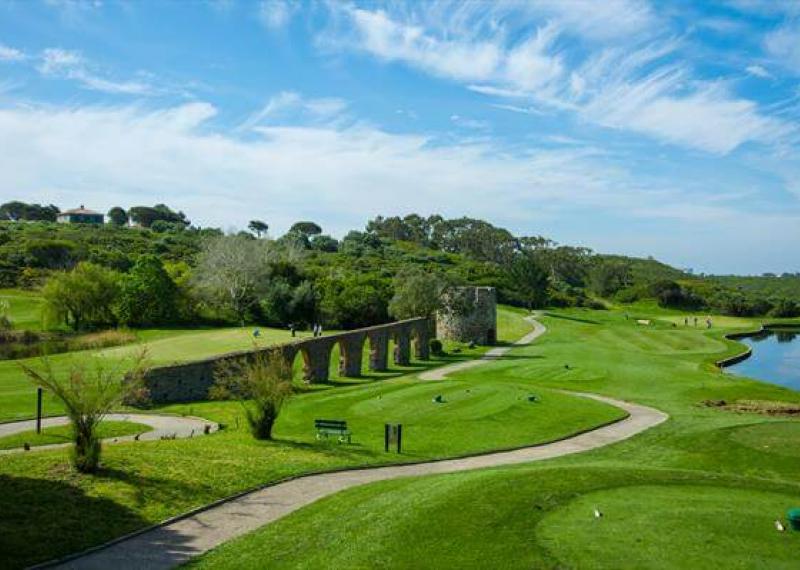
436	347
785	308
262	384
595	305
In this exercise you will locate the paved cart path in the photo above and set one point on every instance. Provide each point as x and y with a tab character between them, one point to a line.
178	427
493	354
177	542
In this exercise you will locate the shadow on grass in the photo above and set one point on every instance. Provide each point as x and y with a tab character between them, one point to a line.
44	519
148	489
576	319
329	448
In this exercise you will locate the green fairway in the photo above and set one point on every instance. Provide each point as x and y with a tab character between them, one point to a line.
61	434
675	526
145	482
25	308
164	346
474	416
701	490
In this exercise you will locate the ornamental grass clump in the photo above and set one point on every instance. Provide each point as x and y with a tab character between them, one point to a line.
262	384
89	389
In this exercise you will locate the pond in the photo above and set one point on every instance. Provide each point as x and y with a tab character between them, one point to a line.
775	358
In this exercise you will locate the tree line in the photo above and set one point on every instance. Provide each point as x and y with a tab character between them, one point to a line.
178	273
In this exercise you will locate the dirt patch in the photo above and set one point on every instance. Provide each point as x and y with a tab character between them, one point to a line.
763	407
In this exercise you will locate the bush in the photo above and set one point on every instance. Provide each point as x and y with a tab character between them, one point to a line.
436	347
785	308
262	385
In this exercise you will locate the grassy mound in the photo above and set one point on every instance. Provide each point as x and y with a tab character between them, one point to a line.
680	526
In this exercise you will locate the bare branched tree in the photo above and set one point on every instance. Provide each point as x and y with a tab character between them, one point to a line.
232	272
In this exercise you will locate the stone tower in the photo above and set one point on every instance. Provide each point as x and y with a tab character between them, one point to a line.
469	314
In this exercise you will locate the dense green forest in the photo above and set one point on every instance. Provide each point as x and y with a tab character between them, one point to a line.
149	266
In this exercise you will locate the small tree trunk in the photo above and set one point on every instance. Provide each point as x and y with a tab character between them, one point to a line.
86	452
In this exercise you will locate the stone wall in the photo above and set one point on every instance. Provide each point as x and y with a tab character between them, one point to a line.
191	381
469	315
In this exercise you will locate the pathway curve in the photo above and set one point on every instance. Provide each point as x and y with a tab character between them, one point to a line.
493	354
176	542
178	427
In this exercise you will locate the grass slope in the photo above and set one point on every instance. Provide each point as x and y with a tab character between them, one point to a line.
164	346
701	490
24	308
146	482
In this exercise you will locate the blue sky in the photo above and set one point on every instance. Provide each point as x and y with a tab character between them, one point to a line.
667	129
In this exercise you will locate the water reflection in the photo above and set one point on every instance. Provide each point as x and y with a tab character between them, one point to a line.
776	358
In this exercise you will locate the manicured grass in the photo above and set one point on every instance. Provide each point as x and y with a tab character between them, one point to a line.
61	434
672	526
701	490
25	308
529	517
164	346
145	482
473	416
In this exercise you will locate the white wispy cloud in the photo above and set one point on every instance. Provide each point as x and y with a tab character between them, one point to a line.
275	14
293	107
607	20
68	64
633	78
128	154
468	123
8	53
783	44
758	71
341	175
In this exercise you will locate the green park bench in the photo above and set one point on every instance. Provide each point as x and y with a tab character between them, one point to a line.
337	428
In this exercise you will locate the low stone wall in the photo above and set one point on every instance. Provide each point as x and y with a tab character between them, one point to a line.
191	381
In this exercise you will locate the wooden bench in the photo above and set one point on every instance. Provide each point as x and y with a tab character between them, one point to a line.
337	428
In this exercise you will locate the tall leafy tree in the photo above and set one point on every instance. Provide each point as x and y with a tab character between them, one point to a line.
145	216
117	216
258	227
417	293
83	297
527	281
306	228
148	296
16	211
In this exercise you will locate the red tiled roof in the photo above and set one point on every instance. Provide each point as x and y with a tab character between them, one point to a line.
80	211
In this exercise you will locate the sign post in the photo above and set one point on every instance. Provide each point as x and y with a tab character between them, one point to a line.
39	409
393	434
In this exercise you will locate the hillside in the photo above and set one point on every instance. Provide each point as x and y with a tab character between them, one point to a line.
308	276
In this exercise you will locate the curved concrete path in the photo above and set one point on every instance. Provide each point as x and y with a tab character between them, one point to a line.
178	427
493	354
176	542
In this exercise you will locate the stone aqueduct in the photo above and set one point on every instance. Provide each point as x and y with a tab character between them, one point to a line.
191	381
